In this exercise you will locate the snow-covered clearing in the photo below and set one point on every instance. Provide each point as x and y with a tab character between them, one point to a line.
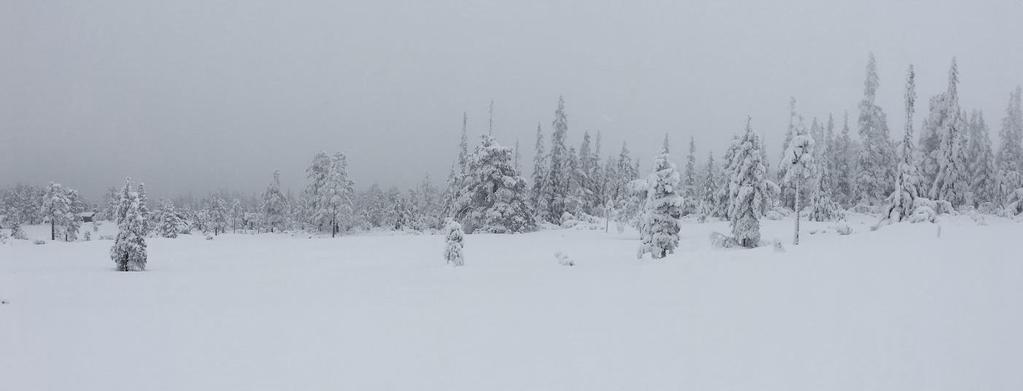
896	309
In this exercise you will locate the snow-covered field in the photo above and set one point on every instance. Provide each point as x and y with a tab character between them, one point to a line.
896	309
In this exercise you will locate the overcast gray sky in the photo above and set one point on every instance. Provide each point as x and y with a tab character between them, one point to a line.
202	95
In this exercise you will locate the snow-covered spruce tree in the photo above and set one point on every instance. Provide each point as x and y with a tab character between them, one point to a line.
330	191
112	199
583	182
748	189
624	172
661	225
951	182
144	208
877	162
123	201
982	172
493	198
515	162
708	193
236	213
559	179
798	166
537	198
822	206
458	170
786	196
844	163
217	214
56	208
907	182
453	244
170	222
275	205
1010	151
129	250
690	201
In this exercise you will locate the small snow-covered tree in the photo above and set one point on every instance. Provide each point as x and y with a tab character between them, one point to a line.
218	214
709	187
57	209
690	193
129	249
981	165
748	189
558	182
330	192
951	182
537	198
661	223
275	205
169	221
453	244
822	205
877	162
798	166
144	208
493	198
845	165
907	182
1010	151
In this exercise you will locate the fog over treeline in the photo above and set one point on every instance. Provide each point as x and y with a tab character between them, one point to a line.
196	96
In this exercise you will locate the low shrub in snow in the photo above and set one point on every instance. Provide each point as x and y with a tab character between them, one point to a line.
843	229
563	259
777	214
721	240
1014	207
38	242
454	241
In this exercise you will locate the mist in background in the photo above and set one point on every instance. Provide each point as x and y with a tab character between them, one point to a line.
199	96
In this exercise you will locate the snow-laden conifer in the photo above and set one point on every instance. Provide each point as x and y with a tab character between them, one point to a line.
748	189
493	198
169	222
661	224
877	162
951	182
798	166
275	205
907	182
983	175
454	240
129	249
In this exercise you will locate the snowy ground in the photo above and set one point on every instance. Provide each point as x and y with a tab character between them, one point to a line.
895	309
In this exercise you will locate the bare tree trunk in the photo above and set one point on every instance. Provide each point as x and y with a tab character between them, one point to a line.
798	187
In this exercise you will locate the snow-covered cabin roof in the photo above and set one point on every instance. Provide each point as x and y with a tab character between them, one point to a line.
87	214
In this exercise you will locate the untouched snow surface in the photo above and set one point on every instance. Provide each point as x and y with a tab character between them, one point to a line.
895	309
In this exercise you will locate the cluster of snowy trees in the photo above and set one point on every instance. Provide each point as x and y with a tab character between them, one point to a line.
825	169
54	204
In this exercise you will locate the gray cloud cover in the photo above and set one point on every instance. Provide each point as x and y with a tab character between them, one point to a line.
194	95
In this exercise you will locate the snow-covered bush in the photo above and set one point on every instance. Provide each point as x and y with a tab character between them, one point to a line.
39	242
1014	206
661	225
454	241
924	211
777	213
568	220
721	240
563	259
843	229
